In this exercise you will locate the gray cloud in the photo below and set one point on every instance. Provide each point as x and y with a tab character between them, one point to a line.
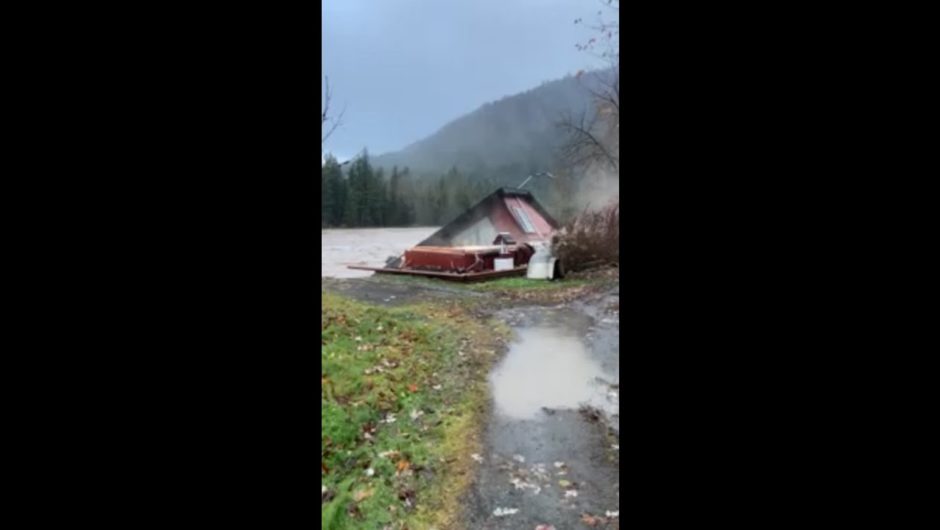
404	68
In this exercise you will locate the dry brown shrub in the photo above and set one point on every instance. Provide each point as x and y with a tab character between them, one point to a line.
591	239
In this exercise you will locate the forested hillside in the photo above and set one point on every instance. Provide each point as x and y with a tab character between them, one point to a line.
516	132
434	180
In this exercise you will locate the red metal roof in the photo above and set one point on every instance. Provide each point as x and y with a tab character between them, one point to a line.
509	210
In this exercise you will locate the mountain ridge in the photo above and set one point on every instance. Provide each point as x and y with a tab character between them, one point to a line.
516	133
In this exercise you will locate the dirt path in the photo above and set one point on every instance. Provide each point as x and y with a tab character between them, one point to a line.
550	451
390	292
548	460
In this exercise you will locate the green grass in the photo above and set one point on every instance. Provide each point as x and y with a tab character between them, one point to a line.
524	283
489	285
380	363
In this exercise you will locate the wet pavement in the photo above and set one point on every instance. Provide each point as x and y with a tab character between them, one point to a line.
551	444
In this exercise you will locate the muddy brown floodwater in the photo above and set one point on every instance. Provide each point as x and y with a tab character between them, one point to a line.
365	246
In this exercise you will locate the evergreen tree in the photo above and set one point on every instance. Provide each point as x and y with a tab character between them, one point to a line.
407	215
374	204
324	215
357	191
439	202
393	207
333	189
462	195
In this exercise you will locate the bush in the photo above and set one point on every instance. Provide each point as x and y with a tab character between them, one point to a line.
591	239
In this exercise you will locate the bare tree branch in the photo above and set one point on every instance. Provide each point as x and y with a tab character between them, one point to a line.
596	138
608	30
586	144
326	120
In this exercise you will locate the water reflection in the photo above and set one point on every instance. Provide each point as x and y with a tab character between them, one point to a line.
547	367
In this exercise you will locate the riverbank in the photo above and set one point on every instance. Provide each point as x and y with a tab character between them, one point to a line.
406	400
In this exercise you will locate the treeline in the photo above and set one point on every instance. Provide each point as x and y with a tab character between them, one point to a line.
358	195
361	196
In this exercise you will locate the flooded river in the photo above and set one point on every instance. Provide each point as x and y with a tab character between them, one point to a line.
366	246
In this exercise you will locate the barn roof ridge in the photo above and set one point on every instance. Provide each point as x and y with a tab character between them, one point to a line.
478	211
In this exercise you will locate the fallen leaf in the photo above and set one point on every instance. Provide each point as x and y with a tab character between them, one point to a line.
413	387
519	483
592	520
501	512
363	494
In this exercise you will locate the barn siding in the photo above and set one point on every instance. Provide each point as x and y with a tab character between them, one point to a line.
481	232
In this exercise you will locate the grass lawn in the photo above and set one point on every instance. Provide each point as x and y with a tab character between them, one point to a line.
525	283
404	391
500	284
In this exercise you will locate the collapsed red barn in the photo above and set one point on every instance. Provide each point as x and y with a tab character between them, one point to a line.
496	237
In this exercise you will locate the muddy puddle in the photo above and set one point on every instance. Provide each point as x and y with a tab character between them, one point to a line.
551	443
563	357
546	368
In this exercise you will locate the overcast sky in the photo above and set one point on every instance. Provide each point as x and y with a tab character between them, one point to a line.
404	68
